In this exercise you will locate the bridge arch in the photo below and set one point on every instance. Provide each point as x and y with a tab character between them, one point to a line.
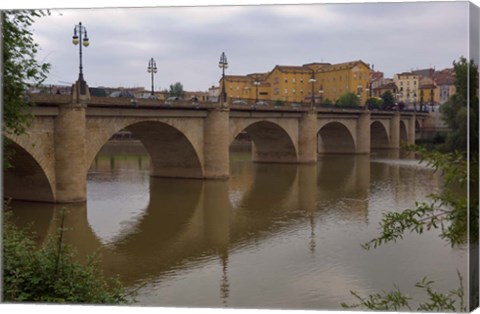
379	135
173	151
272	142
29	178
336	138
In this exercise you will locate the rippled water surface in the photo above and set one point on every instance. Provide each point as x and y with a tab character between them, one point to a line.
272	236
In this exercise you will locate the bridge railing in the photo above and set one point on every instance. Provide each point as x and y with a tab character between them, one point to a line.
125	102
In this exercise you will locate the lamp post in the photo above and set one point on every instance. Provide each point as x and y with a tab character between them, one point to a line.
422	101
223	64
256	83
313	80
414	101
79	32
152	68
431	97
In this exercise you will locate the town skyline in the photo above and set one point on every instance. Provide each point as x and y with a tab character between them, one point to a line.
186	42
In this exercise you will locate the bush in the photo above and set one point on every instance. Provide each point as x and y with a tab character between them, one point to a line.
50	274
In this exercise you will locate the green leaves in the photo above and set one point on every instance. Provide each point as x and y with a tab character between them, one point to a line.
348	99
20	68
384	301
460	112
395	300
176	90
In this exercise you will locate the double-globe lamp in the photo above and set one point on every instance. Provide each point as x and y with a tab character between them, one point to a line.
80	37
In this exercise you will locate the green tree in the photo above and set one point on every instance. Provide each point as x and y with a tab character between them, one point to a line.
176	90
348	100
20	70
460	112
375	103
388	99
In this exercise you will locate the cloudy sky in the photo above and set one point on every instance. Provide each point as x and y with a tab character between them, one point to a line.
187	42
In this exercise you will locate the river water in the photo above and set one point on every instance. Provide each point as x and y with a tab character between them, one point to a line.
272	236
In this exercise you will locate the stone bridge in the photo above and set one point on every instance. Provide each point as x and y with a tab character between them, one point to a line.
191	140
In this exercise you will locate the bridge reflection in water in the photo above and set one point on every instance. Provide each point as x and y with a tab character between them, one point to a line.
157	231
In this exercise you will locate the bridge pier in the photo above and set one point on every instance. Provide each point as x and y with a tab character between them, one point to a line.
411	130
216	144
307	138
363	133
395	131
70	168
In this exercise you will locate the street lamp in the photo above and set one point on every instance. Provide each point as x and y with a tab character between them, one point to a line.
256	83
223	64
78	32
313	80
414	101
422	101
152	68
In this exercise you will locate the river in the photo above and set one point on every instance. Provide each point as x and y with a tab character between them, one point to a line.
271	236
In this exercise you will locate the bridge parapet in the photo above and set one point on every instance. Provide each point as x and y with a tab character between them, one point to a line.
124	102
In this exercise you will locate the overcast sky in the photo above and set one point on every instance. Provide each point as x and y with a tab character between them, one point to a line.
187	42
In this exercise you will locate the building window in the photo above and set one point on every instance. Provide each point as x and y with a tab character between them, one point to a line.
286	91
301	80
293	80
293	91
301	91
286	80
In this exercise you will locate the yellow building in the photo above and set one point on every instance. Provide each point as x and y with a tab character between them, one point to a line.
294	83
246	87
332	81
428	92
289	83
408	91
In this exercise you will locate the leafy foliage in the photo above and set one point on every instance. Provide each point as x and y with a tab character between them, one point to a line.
375	103
20	69
348	99
50	274
176	90
460	112
395	300
388	98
